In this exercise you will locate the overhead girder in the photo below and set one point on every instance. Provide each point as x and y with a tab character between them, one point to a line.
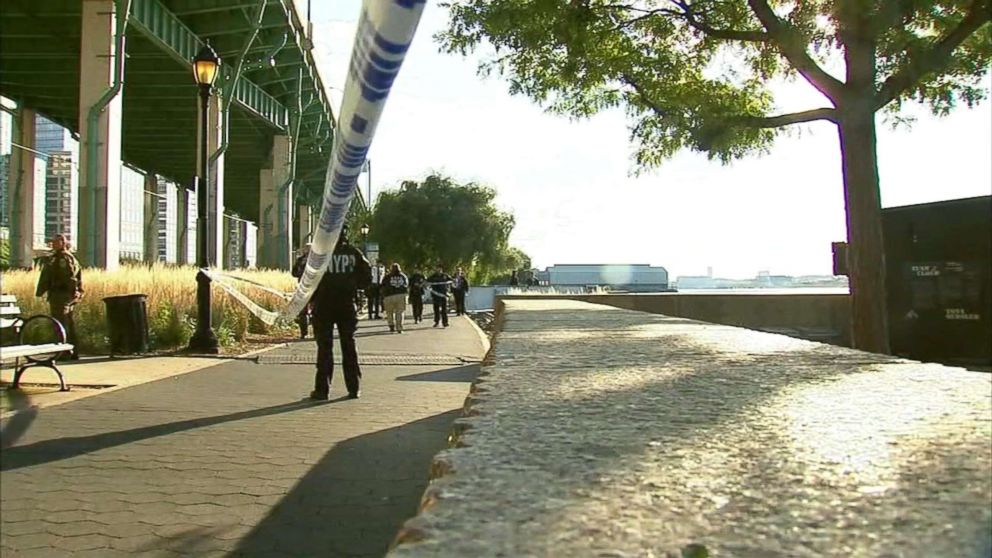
39	53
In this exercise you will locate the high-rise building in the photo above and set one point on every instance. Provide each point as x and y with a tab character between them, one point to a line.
191	228
132	234
166	220
61	196
6	131
61	178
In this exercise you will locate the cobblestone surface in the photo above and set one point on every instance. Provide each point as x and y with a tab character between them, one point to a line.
228	461
595	431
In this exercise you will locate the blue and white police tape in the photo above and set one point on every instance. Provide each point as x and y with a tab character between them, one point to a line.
219	279
385	30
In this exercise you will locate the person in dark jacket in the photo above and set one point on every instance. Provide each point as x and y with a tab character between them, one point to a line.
438	284
460	289
334	305
62	280
394	289
417	281
298	268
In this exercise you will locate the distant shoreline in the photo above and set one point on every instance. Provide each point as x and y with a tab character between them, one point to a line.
768	290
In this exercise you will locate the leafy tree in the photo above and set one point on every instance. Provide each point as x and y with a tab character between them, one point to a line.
695	74
440	222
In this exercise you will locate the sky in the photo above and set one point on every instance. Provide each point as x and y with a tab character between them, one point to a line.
778	212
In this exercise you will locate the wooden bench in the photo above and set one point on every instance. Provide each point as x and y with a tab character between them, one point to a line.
43	354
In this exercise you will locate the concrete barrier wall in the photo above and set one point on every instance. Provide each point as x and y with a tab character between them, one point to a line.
820	317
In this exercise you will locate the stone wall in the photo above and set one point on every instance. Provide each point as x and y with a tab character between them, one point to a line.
817	317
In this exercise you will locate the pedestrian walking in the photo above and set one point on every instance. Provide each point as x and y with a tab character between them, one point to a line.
334	305
372	293
395	288
62	280
303	319
438	284
514	280
460	289
417	281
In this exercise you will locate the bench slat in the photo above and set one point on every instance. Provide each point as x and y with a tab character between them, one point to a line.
10	311
8	299
17	351
5	323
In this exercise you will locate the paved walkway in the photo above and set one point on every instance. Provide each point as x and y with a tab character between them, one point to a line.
602	432
230	461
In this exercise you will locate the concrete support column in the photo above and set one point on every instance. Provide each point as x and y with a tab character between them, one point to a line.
216	232
26	187
99	148
182	225
302	225
150	229
275	208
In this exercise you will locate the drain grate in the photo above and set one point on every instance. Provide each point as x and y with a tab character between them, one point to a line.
367	359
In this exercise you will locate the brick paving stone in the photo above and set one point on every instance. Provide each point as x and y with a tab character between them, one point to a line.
232	459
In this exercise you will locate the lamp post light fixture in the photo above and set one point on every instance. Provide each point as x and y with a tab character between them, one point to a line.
365	237
205	70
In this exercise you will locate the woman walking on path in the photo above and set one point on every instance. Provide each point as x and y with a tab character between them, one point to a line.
394	290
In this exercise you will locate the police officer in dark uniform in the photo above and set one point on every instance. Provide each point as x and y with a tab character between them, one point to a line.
417	295
62	279
438	284
334	305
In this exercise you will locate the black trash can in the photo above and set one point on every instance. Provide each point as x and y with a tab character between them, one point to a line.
127	321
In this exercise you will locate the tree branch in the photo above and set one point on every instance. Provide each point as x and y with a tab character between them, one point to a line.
930	60
640	93
793	118
890	14
692	18
750	121
787	40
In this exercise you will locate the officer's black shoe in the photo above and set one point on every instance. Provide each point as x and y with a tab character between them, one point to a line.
392	328
319	395
354	394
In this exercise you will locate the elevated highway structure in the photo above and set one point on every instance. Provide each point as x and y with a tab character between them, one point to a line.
118	74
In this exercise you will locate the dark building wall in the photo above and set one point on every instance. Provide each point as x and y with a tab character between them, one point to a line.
939	272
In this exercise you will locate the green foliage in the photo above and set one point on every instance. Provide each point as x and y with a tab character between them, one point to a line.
695	74
440	222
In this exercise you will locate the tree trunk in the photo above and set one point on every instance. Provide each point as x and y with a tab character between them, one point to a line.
866	250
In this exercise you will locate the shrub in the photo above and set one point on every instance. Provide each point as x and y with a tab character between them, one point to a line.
171	303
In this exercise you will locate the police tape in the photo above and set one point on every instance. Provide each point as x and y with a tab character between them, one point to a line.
267	316
260	286
385	31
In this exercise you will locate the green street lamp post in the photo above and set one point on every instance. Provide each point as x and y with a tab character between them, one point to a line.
205	69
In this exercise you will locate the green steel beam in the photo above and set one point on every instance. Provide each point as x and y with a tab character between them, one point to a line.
162	26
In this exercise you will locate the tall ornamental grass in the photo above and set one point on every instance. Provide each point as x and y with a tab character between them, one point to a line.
171	303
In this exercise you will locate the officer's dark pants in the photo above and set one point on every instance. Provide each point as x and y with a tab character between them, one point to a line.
440	309
62	307
374	302
459	302
418	307
346	320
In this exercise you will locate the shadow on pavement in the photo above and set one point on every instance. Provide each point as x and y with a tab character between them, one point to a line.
19	423
65	448
354	500
466	373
